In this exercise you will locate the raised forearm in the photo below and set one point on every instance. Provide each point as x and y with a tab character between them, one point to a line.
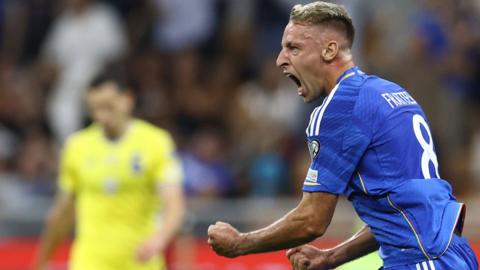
360	244
290	231
303	224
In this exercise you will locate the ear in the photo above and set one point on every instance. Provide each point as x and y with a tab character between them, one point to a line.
330	51
128	97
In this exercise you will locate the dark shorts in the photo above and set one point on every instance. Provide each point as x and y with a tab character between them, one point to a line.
459	256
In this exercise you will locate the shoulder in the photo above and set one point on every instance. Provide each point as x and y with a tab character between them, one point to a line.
385	96
83	136
150	132
379	92
379	100
359	101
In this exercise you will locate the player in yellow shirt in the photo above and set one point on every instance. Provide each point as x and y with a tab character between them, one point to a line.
113	177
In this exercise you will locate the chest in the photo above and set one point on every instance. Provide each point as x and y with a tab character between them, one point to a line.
114	169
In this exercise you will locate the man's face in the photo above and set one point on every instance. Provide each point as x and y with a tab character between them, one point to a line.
108	106
301	59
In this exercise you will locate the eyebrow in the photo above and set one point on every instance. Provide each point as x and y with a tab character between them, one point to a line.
290	44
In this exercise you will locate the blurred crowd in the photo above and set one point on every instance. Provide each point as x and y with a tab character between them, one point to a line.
205	71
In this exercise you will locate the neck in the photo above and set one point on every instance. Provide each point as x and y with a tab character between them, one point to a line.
117	132
336	71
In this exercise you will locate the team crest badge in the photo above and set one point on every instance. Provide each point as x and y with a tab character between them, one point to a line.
313	148
136	163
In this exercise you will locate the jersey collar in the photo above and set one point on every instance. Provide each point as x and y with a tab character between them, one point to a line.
122	137
348	73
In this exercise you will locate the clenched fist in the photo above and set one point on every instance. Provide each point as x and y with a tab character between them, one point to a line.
225	240
309	258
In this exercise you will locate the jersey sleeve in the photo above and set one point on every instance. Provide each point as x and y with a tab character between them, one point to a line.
337	142
168	168
67	180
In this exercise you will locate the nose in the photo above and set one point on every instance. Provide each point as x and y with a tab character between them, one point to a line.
281	59
101	116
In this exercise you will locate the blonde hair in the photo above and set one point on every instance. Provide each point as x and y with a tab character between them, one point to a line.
327	14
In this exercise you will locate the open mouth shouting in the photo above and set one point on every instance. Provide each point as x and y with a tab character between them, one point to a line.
297	82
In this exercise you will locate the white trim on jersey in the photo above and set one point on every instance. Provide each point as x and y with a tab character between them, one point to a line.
312	116
322	111
315	120
313	128
424	265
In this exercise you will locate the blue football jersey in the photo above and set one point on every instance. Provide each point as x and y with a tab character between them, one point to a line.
370	141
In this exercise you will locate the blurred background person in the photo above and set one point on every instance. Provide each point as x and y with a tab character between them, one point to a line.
85	37
206	172
113	176
263	119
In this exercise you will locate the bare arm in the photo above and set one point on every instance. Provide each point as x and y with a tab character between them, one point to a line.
309	257
174	211
58	225
303	224
359	245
